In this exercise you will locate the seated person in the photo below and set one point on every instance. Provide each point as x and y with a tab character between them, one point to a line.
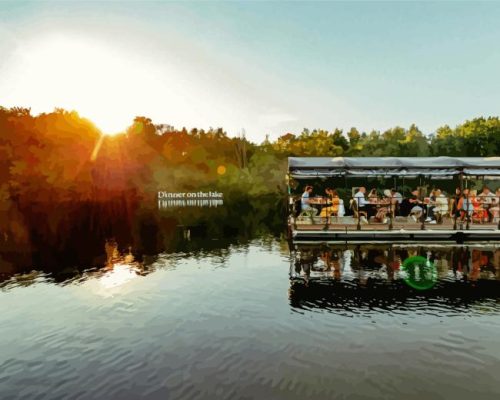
329	192
363	204
334	201
405	207
428	205
305	206
397	196
441	203
486	196
389	203
372	196
416	210
479	211
455	200
494	209
465	206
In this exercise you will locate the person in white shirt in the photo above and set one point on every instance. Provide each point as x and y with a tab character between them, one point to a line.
397	196
487	199
486	196
441	202
494	209
304	202
363	204
360	197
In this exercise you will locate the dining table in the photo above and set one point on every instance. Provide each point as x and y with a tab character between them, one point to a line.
319	202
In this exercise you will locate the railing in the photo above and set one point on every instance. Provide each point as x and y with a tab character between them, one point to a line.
475	211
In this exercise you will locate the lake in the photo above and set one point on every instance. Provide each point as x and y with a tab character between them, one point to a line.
256	319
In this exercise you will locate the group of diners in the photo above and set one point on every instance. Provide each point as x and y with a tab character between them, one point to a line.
483	207
330	205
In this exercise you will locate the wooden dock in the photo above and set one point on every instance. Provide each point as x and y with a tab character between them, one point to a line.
350	230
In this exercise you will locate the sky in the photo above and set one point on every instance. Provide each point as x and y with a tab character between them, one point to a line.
266	67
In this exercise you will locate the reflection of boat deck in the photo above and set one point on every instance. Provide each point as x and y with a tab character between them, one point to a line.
387	263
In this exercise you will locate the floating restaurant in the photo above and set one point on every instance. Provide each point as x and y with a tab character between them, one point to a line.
394	198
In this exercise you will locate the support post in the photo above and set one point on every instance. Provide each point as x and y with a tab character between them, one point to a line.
461	176
454	216
359	215
390	213
422	217
467	213
288	192
498	216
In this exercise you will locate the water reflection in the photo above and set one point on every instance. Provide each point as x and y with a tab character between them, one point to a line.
120	267
383	275
63	239
316	262
222	314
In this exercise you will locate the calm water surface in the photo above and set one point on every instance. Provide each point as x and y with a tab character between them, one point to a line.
229	323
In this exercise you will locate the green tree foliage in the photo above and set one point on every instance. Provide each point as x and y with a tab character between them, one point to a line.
478	137
61	156
312	143
395	142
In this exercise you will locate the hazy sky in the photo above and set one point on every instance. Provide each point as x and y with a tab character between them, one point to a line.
270	68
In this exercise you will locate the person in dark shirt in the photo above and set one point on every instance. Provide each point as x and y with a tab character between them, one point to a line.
456	198
408	203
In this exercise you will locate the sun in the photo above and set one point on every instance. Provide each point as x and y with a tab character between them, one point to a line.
101	82
110	126
111	132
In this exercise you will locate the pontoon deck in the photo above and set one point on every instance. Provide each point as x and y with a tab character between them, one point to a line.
463	171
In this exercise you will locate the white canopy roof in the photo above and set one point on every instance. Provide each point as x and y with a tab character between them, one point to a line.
309	167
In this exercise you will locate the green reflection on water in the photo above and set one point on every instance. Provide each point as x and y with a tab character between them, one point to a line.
419	273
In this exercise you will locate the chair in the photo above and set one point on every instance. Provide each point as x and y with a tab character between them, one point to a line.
353	205
394	209
297	206
439	216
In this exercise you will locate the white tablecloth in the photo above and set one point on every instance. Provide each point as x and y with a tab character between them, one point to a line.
341	208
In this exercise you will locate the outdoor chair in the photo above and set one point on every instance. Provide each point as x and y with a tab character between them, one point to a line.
353	204
394	210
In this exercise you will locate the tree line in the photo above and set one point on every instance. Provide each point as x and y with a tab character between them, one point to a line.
61	156
61	178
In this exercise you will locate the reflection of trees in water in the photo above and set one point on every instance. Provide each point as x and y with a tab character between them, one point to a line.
65	238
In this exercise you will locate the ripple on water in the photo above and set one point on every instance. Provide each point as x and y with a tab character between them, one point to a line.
229	324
